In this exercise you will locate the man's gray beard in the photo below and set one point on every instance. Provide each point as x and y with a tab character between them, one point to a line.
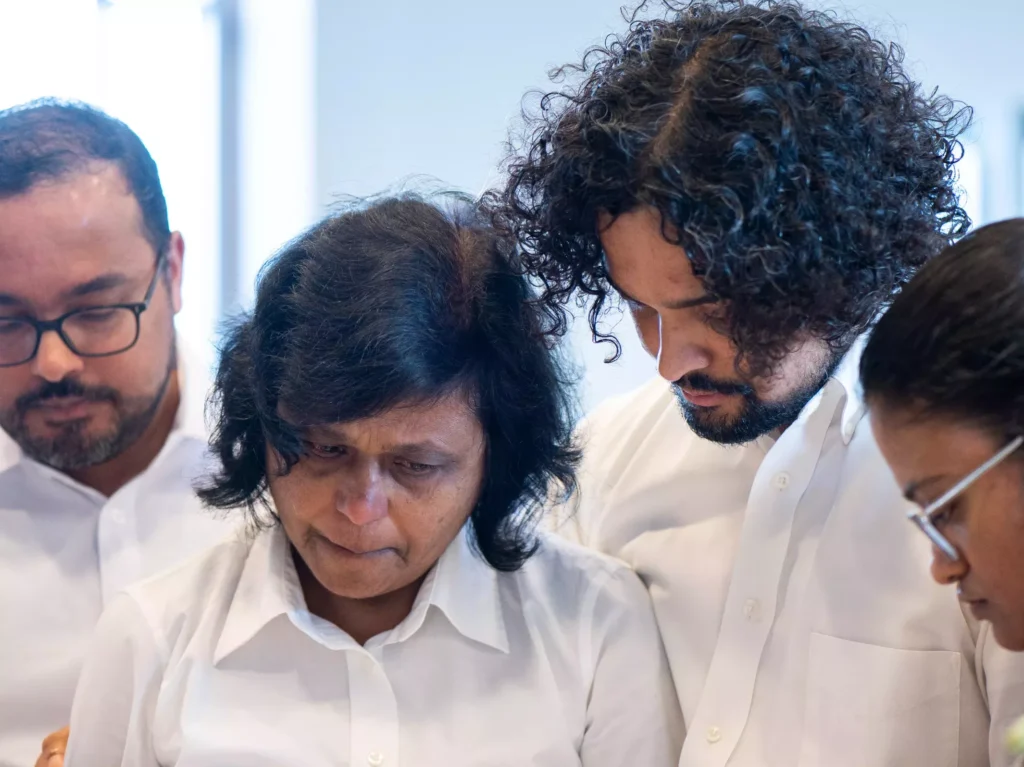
73	450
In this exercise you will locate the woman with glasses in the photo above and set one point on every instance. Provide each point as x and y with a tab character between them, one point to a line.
943	374
391	418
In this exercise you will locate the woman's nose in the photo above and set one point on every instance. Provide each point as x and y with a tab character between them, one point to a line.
947	571
362	497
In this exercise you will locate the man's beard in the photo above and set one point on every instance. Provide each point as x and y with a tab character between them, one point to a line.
756	417
72	448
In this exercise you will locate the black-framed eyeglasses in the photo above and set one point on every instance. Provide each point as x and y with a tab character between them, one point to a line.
93	331
924	518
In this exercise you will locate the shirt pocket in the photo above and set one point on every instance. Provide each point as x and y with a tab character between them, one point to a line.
871	706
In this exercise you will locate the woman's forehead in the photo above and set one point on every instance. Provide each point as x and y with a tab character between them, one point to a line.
449	422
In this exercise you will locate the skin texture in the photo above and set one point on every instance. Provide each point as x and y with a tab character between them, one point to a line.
374	504
55	240
985	523
674	317
53	749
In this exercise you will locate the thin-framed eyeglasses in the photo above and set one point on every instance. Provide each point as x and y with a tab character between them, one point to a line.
92	331
925	518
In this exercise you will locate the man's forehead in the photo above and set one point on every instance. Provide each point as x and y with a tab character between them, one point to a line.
63	235
644	266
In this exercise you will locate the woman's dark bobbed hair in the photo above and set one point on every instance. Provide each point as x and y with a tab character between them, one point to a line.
402	300
952	343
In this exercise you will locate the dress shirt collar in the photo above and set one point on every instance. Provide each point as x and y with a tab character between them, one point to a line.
461	585
189	422
848	376
843	387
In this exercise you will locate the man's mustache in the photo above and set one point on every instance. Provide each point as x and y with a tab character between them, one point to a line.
67	387
698	382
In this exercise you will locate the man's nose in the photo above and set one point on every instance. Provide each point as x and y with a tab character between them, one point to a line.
54	361
679	352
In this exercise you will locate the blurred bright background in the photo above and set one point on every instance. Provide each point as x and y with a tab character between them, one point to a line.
260	113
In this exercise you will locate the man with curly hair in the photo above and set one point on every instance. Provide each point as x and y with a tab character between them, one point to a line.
755	182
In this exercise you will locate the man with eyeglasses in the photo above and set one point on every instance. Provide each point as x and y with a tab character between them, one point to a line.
102	431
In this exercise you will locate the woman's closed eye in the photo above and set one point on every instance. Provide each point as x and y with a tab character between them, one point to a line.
944	515
326	452
415	468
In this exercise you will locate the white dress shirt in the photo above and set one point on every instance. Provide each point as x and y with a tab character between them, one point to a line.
66	550
220	663
793	597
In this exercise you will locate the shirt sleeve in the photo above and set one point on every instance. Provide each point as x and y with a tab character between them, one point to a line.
633	714
112	713
1003	675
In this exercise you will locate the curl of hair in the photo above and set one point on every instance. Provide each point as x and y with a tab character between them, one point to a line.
400	301
952	343
804	172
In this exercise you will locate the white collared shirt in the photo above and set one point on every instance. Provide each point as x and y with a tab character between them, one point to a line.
220	663
66	550
794	599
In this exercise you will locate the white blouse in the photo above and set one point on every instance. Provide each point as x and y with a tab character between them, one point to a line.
220	663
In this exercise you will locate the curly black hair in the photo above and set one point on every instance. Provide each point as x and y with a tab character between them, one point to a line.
400	300
802	169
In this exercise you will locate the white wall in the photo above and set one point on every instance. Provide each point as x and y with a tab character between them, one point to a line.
409	87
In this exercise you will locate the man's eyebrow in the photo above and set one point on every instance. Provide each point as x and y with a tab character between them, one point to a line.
96	285
682	303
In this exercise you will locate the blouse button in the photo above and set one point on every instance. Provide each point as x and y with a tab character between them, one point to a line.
375	759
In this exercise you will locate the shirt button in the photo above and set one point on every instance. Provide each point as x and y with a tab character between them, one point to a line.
752	610
117	516
782	480
714	735
375	759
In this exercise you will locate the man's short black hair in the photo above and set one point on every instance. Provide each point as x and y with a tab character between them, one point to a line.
789	152
405	300
47	140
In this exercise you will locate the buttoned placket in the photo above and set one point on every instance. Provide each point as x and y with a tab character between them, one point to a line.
374	710
117	538
750	604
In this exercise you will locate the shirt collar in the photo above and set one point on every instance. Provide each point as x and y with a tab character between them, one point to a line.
189	421
848	376
844	388
465	589
461	586
194	385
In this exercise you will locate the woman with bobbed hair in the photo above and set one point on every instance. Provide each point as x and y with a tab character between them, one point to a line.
391	417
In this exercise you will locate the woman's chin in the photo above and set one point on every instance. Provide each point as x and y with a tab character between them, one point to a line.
1010	637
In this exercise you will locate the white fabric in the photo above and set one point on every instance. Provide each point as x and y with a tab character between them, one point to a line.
794	599
66	550
220	663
